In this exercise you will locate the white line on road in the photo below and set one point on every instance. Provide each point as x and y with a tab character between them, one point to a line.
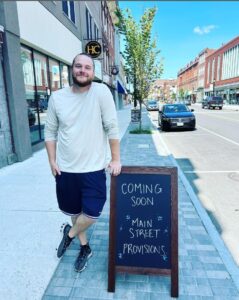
221	136
196	171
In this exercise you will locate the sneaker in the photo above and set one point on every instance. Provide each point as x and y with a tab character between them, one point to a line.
65	242
84	255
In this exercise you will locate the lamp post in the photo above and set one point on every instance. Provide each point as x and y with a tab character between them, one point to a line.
213	87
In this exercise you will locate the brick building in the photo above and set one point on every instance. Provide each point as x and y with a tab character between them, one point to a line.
163	89
222	72
188	81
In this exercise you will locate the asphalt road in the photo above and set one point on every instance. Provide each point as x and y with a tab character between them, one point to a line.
209	157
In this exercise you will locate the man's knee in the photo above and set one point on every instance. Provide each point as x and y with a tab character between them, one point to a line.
83	220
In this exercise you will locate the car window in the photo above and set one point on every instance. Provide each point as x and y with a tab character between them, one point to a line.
217	98
175	108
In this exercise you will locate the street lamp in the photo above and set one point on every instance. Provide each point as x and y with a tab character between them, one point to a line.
213	86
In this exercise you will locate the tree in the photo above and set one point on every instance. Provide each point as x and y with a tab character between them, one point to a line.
181	93
141	54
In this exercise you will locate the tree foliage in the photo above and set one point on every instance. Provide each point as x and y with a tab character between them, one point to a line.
141	54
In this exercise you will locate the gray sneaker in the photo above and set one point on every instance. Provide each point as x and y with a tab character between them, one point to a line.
83	256
65	242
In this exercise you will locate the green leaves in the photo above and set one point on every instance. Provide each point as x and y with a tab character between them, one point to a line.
141	54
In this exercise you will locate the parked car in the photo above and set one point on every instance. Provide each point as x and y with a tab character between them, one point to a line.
174	116
152	105
212	102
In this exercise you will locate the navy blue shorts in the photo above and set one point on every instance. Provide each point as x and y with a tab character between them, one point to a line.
81	193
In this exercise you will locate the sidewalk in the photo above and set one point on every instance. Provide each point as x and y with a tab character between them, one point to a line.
30	221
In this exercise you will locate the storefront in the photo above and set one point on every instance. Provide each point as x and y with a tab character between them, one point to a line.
230	93
42	75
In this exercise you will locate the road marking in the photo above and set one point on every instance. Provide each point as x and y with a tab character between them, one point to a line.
221	117
221	136
202	172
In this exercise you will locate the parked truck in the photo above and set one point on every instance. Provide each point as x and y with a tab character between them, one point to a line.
212	102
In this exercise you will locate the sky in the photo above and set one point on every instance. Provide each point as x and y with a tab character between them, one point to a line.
184	28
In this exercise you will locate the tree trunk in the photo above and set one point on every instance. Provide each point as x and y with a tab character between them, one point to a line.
140	120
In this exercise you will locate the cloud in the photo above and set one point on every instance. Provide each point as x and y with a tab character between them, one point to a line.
204	29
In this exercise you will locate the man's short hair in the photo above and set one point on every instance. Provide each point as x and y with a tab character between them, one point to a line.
85	54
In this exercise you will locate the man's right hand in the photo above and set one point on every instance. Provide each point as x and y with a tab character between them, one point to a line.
55	169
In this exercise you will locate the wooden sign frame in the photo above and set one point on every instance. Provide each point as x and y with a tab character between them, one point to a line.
112	267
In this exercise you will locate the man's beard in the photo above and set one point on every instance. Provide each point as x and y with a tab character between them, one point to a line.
82	84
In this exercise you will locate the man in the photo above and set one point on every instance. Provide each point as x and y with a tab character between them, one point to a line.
80	120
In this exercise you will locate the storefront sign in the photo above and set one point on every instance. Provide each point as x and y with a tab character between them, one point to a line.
93	48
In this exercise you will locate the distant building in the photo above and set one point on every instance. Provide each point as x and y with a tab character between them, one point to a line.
188	81
163	89
212	72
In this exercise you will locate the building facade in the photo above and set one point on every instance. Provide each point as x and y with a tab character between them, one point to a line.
188	81
201	73
38	42
222	72
164	90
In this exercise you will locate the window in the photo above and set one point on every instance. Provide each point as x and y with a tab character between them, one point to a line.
40	64
54	71
218	67
208	71
213	70
69	9
41	76
64	75
88	24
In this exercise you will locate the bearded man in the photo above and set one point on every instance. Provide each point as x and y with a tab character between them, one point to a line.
81	119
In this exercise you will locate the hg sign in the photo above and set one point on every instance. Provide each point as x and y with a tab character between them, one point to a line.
93	48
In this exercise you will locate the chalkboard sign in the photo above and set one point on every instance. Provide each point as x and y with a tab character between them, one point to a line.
135	115
144	223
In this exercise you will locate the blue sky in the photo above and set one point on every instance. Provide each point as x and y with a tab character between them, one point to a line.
184	28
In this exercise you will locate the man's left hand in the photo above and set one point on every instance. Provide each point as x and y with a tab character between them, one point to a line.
114	167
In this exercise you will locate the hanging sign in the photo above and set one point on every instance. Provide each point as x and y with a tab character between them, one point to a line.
93	48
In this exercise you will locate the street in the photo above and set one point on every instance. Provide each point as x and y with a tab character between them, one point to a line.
209	159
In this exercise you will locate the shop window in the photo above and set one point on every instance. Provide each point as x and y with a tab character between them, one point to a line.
42	89
54	71
64	76
30	92
40	63
42	75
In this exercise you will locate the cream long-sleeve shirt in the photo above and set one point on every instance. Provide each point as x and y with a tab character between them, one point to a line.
81	123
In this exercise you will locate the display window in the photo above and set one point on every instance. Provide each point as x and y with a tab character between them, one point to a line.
42	76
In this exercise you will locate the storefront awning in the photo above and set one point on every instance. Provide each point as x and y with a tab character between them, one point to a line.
120	88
